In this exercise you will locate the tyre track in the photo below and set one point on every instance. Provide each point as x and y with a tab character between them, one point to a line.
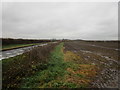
108	76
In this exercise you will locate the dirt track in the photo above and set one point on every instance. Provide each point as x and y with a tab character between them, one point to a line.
104	55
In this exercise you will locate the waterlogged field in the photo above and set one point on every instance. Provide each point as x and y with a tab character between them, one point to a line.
13	46
71	64
103	55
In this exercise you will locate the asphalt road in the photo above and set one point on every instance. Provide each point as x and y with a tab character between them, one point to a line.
15	52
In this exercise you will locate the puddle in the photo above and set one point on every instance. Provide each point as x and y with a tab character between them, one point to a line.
105	47
15	52
108	77
8	53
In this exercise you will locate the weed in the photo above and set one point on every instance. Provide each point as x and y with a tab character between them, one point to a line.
25	65
56	67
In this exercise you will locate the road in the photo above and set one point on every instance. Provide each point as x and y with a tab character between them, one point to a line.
15	52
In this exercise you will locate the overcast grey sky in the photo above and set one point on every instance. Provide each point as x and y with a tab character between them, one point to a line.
70	20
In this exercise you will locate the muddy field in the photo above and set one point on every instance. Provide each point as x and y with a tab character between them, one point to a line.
102	54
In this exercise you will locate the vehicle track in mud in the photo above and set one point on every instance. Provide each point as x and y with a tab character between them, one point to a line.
106	59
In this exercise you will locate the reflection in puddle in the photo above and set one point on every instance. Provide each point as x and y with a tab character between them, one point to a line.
15	52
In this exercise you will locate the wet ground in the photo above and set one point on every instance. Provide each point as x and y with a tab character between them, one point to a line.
15	52
102	54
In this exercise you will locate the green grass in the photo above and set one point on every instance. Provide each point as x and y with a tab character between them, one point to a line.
54	76
25	65
11	46
56	67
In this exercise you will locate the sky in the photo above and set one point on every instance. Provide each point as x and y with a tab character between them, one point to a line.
58	20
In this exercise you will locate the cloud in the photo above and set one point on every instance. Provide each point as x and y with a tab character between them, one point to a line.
59	20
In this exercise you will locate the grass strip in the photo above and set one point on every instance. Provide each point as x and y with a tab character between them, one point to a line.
56	67
58	74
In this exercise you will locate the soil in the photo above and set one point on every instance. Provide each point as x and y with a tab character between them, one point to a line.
102	54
